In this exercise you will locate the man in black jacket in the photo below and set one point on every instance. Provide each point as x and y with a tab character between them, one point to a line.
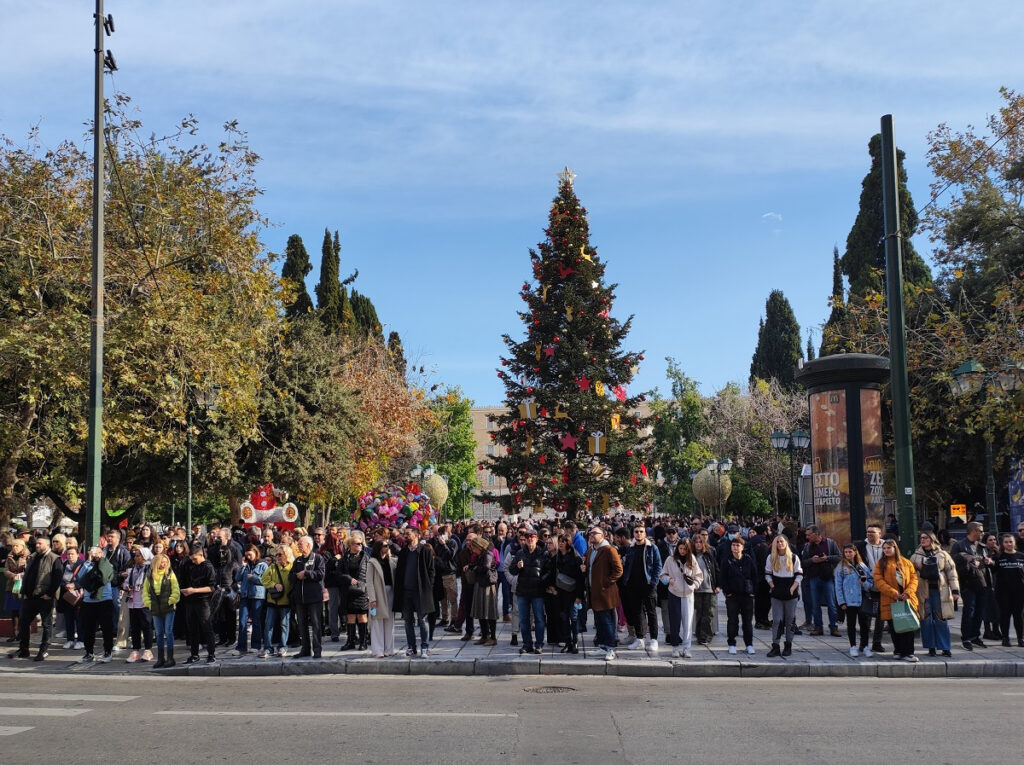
39	586
197	581
307	597
414	589
533	568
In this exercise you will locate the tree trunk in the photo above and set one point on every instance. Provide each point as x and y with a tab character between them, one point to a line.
235	504
9	504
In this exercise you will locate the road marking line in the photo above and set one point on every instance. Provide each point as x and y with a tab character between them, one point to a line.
61	696
10	730
41	712
288	713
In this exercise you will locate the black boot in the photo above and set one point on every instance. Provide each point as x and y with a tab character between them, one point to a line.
775	651
364	637
351	644
787	649
159	657
170	658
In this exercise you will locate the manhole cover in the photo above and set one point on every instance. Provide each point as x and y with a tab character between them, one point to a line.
550	689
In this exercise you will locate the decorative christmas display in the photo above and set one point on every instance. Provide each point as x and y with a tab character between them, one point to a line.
395	506
263	508
557	402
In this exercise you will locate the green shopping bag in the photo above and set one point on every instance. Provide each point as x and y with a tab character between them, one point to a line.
904	617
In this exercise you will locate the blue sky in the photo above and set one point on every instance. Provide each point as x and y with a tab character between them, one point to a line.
719	146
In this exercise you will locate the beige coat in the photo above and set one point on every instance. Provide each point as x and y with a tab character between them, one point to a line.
376	589
948	583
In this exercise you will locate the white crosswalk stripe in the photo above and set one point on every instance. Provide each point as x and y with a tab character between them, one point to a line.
50	711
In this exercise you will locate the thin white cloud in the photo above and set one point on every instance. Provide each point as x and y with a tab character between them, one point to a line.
772	217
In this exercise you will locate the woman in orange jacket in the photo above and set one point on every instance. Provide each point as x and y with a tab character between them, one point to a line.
896	579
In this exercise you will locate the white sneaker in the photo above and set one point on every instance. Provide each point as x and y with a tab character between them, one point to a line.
652	646
867	653
610	656
854	653
132	657
750	650
635	645
912	659
424	653
70	644
687	655
599	652
732	650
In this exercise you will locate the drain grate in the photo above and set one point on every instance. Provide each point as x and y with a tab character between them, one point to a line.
550	689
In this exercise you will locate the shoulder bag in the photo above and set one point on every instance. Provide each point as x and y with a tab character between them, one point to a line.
904	616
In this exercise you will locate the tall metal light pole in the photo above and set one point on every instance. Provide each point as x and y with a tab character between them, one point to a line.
971	378
93	487
790	442
906	499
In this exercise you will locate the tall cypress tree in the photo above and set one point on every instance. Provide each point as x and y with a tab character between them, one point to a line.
397	354
328	299
366	322
831	334
294	271
778	343
864	260
571	437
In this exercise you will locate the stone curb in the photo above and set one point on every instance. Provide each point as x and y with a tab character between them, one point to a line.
619	668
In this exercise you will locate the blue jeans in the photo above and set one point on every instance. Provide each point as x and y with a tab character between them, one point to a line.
250	608
934	631
604	627
275	615
506	596
823	592
163	631
537	605
974	611
413	617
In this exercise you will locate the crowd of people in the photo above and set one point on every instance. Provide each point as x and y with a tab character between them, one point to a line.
269	591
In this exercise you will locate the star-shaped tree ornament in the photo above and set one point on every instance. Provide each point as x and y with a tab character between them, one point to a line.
583	383
569	441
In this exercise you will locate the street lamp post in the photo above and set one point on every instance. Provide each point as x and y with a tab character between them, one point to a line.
790	442
972	379
465	498
719	468
693	497
197	399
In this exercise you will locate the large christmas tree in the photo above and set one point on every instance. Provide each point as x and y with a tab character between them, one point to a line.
573	438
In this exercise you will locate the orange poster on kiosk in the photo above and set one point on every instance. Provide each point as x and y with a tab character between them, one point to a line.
830	463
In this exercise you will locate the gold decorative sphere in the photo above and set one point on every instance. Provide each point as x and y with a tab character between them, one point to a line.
711	488
436	488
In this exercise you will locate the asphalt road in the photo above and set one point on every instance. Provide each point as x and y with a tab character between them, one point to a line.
378	719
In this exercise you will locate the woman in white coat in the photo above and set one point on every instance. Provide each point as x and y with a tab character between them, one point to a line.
380	591
683	575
